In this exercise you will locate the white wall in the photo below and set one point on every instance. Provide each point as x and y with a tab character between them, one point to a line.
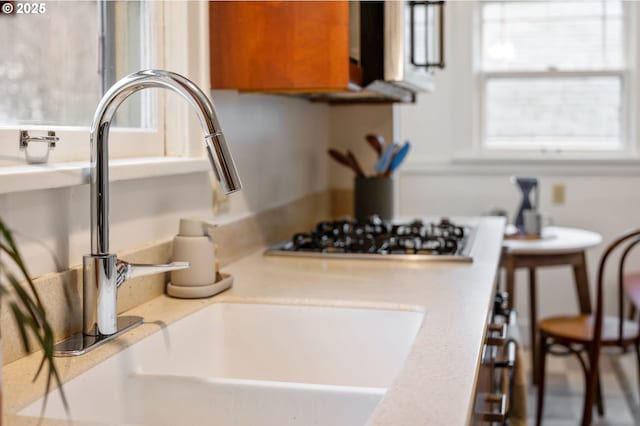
279	146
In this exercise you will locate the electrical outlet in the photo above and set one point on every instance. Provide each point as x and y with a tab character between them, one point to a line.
558	191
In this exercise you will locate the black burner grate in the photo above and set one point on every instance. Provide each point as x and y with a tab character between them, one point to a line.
378	237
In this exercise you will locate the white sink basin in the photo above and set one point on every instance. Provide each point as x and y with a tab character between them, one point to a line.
248	364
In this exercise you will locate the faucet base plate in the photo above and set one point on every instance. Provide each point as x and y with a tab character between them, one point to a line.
81	343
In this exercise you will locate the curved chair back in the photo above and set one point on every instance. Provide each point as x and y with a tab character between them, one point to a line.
594	356
621	290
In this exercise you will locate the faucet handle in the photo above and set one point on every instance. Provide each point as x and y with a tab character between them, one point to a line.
128	270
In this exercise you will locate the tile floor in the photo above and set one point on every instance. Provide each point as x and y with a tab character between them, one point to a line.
565	386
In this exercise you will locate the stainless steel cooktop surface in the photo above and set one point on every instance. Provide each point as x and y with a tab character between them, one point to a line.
377	239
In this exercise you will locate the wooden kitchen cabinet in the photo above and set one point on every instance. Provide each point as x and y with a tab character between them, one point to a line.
281	46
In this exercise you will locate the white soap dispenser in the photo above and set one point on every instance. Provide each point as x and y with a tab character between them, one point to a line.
195	244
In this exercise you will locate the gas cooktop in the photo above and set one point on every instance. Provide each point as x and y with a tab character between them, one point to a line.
377	239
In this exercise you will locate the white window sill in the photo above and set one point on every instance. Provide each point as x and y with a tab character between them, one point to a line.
47	176
463	165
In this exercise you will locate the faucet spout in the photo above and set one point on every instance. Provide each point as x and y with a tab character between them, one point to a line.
216	145
102	272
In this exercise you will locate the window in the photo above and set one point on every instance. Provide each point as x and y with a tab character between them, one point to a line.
36	84
553	75
57	64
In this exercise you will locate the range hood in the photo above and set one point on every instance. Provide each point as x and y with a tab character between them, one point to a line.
397	45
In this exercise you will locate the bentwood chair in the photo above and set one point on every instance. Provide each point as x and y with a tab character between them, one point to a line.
584	335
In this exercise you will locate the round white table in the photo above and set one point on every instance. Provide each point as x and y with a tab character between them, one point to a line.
557	246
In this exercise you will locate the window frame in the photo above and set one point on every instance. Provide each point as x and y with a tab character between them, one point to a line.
184	29
627	74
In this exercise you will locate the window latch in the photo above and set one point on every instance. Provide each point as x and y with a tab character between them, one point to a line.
40	153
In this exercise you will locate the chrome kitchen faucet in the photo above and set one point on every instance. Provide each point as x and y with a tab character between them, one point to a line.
103	273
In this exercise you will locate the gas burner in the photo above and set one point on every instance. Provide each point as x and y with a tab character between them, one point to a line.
375	238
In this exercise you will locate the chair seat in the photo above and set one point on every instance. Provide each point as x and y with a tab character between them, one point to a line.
579	329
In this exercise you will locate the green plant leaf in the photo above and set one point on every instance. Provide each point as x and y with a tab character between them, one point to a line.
29	313
17	259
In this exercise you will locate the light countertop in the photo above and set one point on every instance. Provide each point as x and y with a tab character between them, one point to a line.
437	382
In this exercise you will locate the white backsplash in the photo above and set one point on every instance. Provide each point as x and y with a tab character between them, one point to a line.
279	144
